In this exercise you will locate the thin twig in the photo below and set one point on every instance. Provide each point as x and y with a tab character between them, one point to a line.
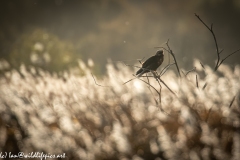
168	58
167	86
192	70
221	51
183	73
130	65
232	102
158	77
160	95
196	80
97	83
227	57
214	37
128	81
152	92
148	84
163	48
140	61
204	86
171	52
165	69
160	91
202	65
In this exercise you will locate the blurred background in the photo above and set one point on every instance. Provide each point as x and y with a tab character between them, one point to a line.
54	34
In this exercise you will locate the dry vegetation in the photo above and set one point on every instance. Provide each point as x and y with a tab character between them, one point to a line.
75	116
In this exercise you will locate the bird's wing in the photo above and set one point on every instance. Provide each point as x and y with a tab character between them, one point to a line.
149	62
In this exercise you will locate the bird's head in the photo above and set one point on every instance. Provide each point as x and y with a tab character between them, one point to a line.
159	53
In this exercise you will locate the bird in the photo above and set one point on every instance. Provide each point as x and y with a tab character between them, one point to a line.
151	64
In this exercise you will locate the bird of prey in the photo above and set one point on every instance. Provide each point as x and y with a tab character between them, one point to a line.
151	64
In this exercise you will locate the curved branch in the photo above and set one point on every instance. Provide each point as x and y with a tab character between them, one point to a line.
170	51
228	57
215	40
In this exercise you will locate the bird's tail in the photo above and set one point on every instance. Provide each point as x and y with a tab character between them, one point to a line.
139	71
140	74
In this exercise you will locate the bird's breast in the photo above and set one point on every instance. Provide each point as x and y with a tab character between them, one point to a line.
160	61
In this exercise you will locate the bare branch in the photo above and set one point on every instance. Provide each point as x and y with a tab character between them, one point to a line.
158	77
163	48
159	96
215	40
227	57
151	90
160	91
171	52
154	73
148	84
219	61
192	70
165	69
167	86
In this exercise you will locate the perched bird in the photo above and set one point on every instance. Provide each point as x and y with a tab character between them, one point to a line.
151	64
